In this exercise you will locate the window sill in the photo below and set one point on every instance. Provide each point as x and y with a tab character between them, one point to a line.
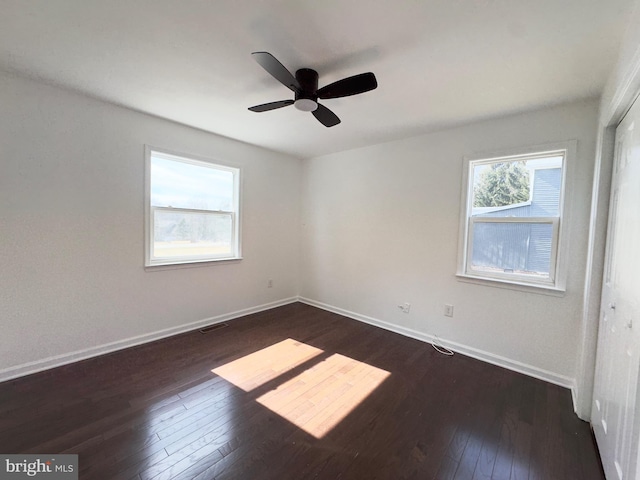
512	285
190	264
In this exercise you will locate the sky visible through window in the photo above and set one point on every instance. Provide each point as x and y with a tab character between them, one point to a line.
184	185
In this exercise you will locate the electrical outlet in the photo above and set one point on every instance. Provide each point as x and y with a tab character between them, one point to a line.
406	307
269	283
448	310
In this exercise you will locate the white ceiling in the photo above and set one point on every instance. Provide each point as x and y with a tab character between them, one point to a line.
438	62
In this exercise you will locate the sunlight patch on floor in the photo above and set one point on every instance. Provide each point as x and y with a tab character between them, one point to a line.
260	367
322	396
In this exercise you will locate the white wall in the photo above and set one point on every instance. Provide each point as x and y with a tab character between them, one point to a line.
623	83
380	228
71	225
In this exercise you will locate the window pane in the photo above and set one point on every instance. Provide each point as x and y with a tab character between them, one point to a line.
185	185
518	248
523	188
186	234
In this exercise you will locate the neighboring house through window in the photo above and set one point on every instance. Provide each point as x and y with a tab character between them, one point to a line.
512	218
192	210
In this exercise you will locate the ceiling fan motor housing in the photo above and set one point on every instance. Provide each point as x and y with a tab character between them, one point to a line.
306	97
305	87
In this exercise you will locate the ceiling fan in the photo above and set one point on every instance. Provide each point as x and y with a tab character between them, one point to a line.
305	86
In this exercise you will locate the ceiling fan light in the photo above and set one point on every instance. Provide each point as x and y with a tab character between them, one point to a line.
306	104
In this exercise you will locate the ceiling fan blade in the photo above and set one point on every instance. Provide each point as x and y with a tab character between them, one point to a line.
326	116
276	69
349	86
265	107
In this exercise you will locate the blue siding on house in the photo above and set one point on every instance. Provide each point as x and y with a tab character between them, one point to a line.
513	246
546	192
521	247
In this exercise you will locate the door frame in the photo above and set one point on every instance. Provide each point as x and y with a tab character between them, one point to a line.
615	103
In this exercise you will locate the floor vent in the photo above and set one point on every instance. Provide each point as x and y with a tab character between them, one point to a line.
211	328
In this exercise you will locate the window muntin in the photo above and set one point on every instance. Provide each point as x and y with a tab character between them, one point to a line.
513	216
192	210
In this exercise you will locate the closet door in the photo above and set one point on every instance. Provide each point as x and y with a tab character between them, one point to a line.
616	414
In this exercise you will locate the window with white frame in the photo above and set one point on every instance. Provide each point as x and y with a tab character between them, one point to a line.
192	210
512	219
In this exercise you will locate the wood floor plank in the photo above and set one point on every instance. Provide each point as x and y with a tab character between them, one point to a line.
308	394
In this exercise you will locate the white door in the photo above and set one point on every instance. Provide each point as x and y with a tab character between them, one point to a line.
616	410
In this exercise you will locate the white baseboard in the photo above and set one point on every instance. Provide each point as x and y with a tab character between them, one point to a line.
488	357
574	399
64	359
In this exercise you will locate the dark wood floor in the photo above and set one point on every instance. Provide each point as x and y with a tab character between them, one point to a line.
157	411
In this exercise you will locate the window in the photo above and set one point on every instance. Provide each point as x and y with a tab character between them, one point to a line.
512	218
191	210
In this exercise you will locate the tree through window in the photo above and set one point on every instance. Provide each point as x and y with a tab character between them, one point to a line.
502	184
